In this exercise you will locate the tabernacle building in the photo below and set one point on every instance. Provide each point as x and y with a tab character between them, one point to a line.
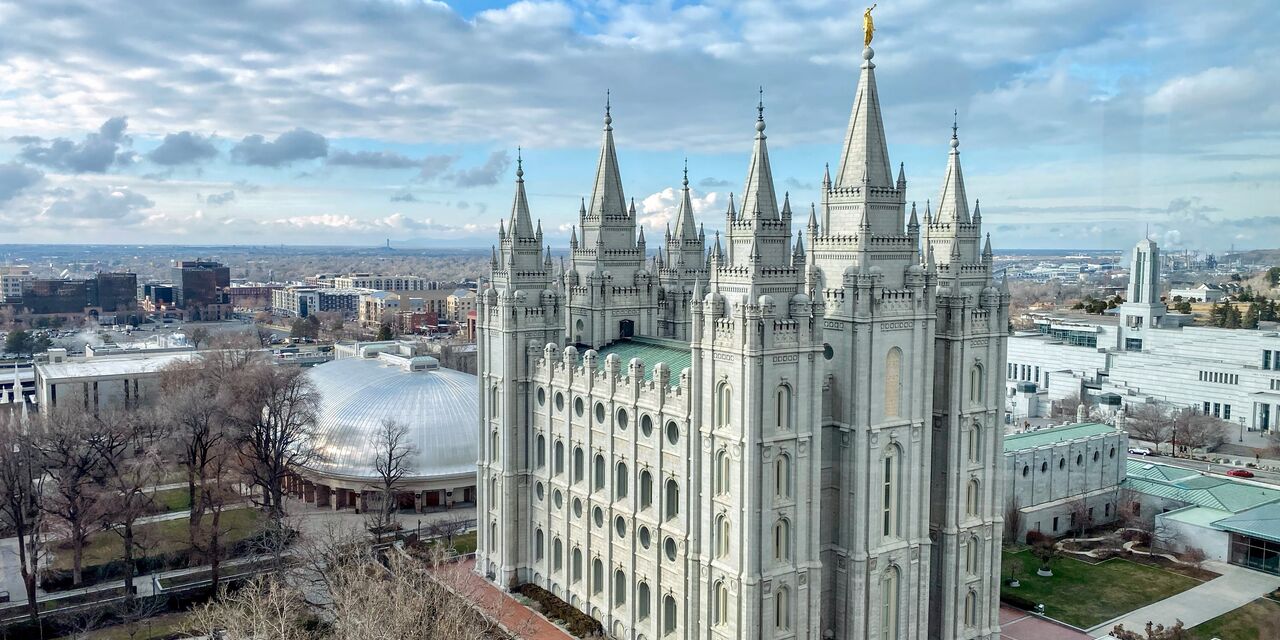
791	431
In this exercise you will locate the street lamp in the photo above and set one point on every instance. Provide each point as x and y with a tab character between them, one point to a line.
1241	428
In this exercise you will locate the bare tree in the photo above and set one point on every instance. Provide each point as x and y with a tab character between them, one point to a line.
1012	520
68	443
264	608
1081	520
393	461
1198	431
219	491
1067	407
1149	423
21	496
199	336
277	431
130	479
194	411
1152	632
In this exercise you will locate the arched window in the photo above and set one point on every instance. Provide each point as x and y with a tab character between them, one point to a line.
642	601
557	555
893	383
889	604
782	540
782	609
619	588
971	556
720	604
538	540
646	489
782	476
493	447
579	465
891	492
493	536
782	408
971	499
724	404
975	443
542	451
599	472
721	479
977	385
559	457
576	573
620	481
673	499
722	537
970	608
494	394
669	620
597	576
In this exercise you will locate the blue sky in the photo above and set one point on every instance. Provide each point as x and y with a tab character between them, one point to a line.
330	122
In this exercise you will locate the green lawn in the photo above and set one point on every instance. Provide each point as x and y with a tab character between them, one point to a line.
462	543
1258	620
159	537
172	500
1084	595
150	629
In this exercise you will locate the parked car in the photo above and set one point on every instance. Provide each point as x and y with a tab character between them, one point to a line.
1240	473
1139	451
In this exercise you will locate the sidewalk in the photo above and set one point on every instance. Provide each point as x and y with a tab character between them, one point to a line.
1020	625
1235	588
515	617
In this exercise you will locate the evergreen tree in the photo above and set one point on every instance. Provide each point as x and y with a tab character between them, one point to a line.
384	332
1234	319
1251	317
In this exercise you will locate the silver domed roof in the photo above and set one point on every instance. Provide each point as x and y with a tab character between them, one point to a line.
439	406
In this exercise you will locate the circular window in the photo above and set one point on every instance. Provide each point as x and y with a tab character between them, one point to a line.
669	546
542	396
577	508
622	419
673	432
1079	459
1113	453
620	527
600	412
1062	463
1095	456
559	498
827	351
1025	470
598	516
646	426
559	401
1044	466
643	534
577	407
537	488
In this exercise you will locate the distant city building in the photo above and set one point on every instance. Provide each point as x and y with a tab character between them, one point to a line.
98	381
381	282
156	297
460	303
1146	355
199	282
300	302
108	297
251	296
12	278
1201	293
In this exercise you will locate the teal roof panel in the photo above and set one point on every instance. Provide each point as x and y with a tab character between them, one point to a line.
1054	435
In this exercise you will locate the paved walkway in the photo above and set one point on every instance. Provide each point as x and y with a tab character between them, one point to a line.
1235	588
517	618
1016	624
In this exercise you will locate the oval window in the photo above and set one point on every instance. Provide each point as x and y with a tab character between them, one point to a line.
559	401
542	396
600	412
643	534
578	407
646	426
670	548
673	432
622	419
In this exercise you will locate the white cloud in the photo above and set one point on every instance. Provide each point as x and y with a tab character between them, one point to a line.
659	209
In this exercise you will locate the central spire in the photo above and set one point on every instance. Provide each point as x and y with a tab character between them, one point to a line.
953	206
521	223
606	196
758	197
685	227
865	159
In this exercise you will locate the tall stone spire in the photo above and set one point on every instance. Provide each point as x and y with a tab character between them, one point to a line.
953	206
521	220
685	227
758	196
606	196
865	159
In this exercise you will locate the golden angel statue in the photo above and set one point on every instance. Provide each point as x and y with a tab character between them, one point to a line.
868	26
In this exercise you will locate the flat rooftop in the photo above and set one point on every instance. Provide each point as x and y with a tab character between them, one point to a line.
1053	435
114	365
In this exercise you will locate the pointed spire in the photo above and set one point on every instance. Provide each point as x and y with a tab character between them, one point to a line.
684	213
786	204
826	176
716	252
902	175
731	212
502	229
493	256
758	196
813	217
865	158
754	253
640	240
606	196
952	204
573	236
799	251
928	212
521	227
986	248
914	222
977	212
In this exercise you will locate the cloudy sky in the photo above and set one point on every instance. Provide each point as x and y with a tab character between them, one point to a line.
347	122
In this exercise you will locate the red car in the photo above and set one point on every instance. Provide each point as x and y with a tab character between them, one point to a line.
1240	473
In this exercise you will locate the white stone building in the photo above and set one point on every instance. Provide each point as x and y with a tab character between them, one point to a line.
1049	471
382	282
1151	356
1201	293
795	436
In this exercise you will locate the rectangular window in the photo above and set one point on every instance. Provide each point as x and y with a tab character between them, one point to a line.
1266	359
1217	409
1055	524
1226	412
1037	374
1206	408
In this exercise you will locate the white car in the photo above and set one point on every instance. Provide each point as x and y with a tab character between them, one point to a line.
1139	451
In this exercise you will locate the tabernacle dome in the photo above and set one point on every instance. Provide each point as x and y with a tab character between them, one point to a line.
384	381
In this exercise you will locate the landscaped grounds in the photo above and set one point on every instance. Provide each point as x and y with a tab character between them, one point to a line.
1085	595
1258	620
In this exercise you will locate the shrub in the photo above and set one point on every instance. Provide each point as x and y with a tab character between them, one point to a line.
1017	601
577	622
1035	537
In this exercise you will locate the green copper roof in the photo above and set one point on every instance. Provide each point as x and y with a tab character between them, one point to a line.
1259	522
651	351
1052	435
1184	485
